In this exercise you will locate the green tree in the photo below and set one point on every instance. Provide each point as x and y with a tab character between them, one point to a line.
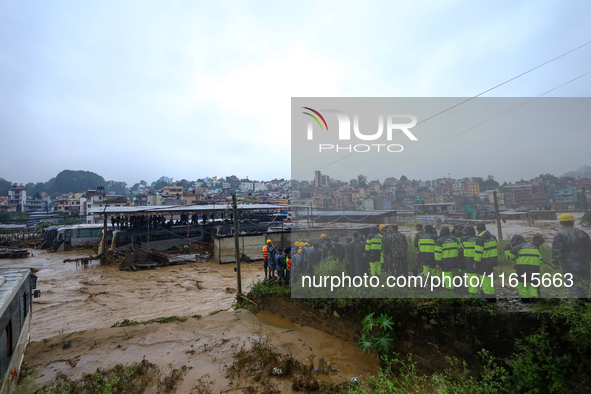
77	181
5	217
4	186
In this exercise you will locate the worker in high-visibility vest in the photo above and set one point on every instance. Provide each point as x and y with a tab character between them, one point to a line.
527	262
486	247
468	244
373	250
446	256
266	249
427	251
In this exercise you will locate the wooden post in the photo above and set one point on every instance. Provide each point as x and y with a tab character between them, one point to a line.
236	244
499	230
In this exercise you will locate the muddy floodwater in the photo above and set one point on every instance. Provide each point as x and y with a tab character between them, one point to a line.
76	299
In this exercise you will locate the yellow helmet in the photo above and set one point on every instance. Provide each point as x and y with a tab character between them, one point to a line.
566	217
297	243
268	241
323	236
299	250
382	226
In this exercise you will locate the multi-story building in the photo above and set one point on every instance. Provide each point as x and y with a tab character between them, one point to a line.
37	205
472	188
567	194
17	197
522	193
172	191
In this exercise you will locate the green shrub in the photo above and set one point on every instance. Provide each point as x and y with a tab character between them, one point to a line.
539	366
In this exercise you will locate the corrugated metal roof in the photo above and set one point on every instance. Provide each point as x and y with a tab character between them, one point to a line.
182	208
352	213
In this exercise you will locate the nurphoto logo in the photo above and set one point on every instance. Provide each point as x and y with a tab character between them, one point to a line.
392	124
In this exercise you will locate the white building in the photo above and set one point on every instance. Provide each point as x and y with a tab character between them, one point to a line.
17	196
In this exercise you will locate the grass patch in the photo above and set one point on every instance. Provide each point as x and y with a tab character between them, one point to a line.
261	289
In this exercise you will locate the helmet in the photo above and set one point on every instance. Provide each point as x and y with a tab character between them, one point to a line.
373	229
268	241
297	243
323	236
566	217
382	226
299	250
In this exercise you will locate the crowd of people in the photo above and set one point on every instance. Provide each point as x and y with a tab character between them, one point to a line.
463	251
151	222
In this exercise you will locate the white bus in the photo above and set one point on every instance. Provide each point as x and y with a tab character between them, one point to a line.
79	235
17	287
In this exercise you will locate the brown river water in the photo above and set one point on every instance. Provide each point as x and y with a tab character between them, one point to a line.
75	299
80	305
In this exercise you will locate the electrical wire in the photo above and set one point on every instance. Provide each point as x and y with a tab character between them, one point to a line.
465	101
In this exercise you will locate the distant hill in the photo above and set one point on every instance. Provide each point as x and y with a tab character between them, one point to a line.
583	172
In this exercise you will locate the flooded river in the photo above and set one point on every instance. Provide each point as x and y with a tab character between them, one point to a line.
78	306
75	299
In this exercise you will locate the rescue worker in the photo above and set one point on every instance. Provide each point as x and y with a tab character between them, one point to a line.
417	268
446	255
288	268
338	246
373	251
468	244
315	258
357	251
527	262
459	269
398	248
427	250
281	266
537	241
266	250
295	266
572	249
305	254
486	247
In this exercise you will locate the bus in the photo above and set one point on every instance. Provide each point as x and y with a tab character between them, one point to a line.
79	235
17	288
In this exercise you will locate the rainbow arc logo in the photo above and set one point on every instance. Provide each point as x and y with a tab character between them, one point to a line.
315	118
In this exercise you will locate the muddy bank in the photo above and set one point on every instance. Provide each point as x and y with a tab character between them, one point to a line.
206	347
428	330
75	299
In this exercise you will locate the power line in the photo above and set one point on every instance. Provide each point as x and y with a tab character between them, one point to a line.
479	124
471	98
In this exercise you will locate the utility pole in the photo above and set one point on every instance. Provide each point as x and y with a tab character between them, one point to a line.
236	244
499	230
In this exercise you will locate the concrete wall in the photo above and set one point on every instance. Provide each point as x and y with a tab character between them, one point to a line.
250	245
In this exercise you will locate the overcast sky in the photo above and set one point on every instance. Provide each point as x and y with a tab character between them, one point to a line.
137	90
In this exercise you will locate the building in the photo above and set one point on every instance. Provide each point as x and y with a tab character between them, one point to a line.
172	191
568	194
17	197
472	188
39	205
321	180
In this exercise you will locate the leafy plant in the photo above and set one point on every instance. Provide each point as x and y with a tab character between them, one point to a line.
538	363
379	333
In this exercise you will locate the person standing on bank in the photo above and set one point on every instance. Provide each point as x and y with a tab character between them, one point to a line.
572	250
